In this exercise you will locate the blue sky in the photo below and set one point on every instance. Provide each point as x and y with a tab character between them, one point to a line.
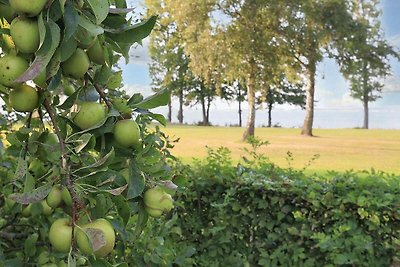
334	108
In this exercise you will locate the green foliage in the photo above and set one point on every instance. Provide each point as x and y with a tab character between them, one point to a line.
257	214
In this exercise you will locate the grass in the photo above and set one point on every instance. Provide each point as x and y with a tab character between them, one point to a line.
338	149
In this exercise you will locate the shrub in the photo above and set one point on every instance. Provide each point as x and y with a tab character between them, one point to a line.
257	214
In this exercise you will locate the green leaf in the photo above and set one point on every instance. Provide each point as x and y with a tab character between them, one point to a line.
33	196
82	142
143	217
108	157
136	181
71	20
161	98
115	80
122	208
100	9
30	244
67	48
44	54
99	263
22	169
70	101
89	26
134	33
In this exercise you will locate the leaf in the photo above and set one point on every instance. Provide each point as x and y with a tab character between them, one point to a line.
121	10
96	238
115	80
44	54
22	169
33	196
70	101
141	221
136	182
117	191
100	9
159	99
67	48
89	26
71	20
30	244
99	263
109	156
122	208
158	117
83	141
134	33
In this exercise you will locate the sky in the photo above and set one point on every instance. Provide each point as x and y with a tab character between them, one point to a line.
334	107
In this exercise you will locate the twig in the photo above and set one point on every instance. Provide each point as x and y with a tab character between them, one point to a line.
65	170
99	90
12	236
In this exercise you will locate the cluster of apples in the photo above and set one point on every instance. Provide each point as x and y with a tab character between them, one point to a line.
25	37
60	233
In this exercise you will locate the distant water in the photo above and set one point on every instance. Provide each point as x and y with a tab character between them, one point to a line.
380	118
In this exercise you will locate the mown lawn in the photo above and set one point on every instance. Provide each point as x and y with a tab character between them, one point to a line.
338	149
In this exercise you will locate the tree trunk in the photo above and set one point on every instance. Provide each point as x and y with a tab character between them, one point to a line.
209	99
180	112
170	109
270	115
366	116
308	121
251	99
240	105
365	98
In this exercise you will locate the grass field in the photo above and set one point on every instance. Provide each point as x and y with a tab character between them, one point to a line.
339	149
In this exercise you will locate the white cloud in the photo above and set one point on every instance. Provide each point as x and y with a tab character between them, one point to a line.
131	89
139	54
392	84
395	40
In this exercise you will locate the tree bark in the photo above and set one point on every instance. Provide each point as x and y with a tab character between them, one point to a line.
208	111
269	114
240	105
309	119
180	112
251	99
170	109
365	98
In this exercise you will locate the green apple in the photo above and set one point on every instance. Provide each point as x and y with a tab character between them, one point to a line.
6	12
24	98
43	258
77	65
11	67
50	148
107	230
89	114
66	197
54	198
157	201
47	210
62	264
68	88
96	53
29	7
26	210
37	168
126	133
60	235
25	34
125	173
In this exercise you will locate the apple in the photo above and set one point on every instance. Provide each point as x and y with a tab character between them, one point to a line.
11	67
6	12
47	210
50	148
24	98
89	114
26	210
157	201
68	88
66	197
54	198
25	34
62	264
43	258
60	235
76	65
37	168
96	53
29	7
107	230
126	133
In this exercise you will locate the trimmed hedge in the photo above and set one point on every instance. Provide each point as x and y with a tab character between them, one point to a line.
259	215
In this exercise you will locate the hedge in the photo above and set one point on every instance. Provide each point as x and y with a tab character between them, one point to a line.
257	214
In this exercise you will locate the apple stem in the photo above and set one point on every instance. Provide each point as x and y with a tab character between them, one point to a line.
100	91
65	170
